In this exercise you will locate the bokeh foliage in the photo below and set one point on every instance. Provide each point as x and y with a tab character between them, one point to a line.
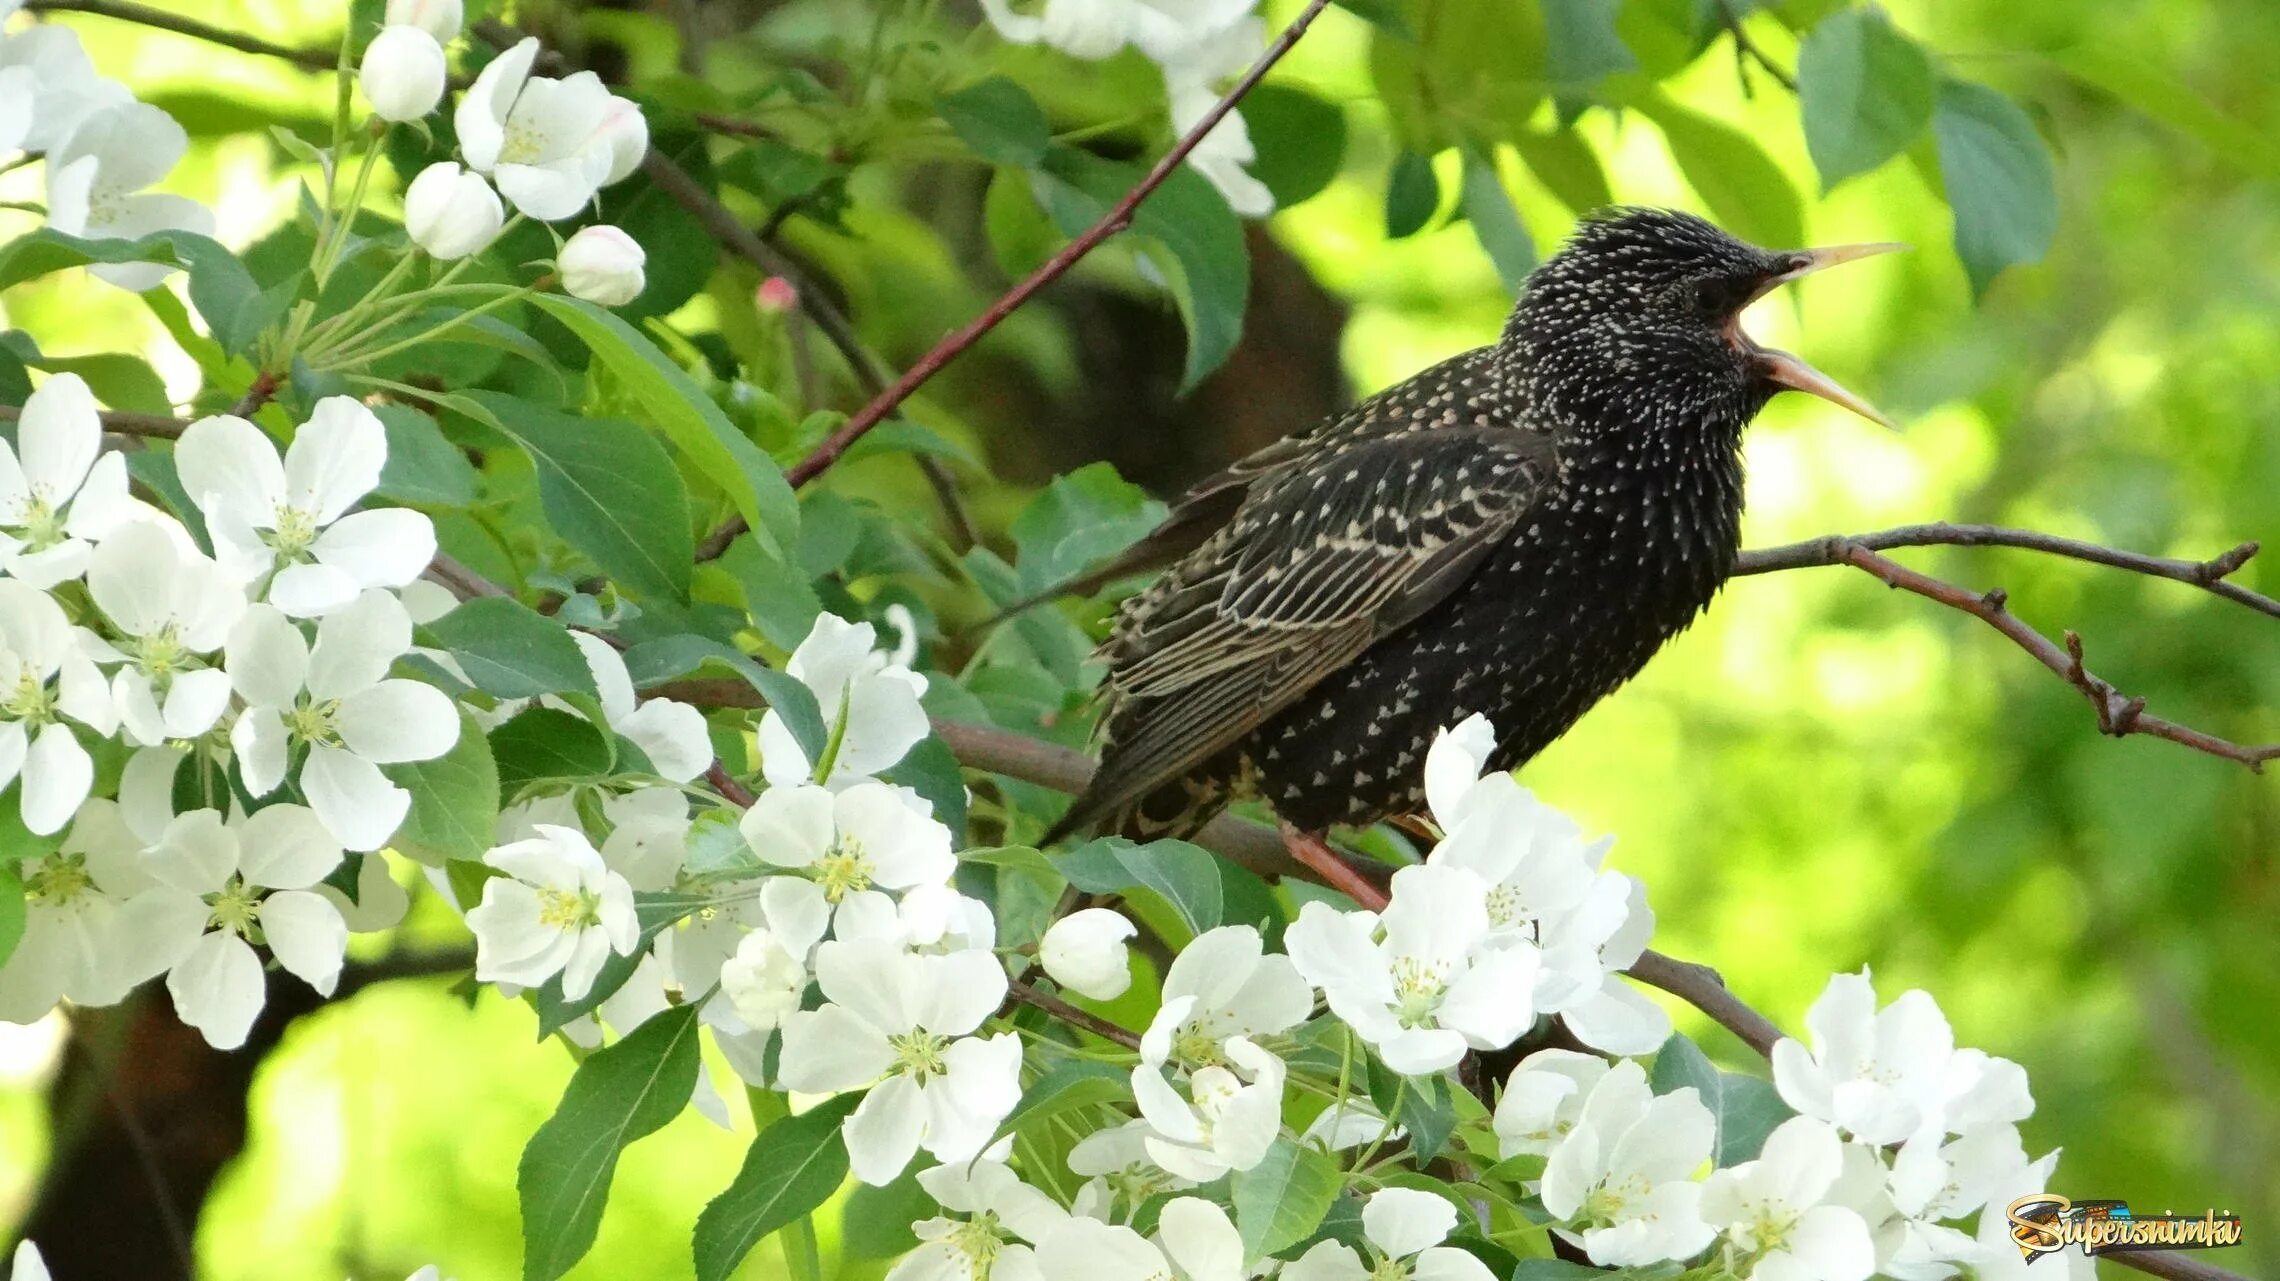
1823	774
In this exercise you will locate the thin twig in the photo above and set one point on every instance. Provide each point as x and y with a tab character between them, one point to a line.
120	422
1746	50
166	20
1115	220
1026	995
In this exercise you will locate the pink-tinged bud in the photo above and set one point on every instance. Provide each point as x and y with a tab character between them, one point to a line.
776	297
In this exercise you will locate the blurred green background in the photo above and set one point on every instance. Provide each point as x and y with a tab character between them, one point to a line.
1822	775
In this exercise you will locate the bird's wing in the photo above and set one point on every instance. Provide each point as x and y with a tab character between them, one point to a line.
1314	568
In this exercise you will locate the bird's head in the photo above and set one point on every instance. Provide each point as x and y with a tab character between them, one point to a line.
1648	303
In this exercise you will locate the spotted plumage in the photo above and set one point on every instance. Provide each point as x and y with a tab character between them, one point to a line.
1512	532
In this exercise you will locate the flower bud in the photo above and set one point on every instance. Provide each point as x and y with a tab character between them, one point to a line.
451	212
403	73
776	296
602	265
1085	953
439	18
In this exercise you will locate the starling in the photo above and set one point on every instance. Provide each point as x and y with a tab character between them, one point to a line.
1513	532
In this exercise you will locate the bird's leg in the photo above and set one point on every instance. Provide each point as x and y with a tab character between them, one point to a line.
1315	854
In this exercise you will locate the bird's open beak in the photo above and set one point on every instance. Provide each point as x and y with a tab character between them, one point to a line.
1786	370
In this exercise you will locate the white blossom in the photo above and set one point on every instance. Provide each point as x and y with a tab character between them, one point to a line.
170	609
906	1021
869	835
769	972
1543	1099
1776	1211
1003	1219
1404	1229
672	735
48	86
602	265
1085	953
439	18
1115	1165
451	212
1876	1075
403	72
868	699
1994	1256
1194	1241
27	1264
1419	982
288	519
1623	1177
44	677
95	923
549	144
1229	1121
558	910
337	701
255	877
59	492
1223	153
95	181
1223	984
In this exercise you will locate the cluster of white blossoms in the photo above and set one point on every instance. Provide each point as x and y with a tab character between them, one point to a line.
245	699
102	146
1197	46
547	145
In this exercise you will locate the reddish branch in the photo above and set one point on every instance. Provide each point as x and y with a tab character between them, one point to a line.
1021	993
120	422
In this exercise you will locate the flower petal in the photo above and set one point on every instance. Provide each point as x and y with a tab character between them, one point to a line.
335	458
354	799
218	989
307	936
398	720
227	462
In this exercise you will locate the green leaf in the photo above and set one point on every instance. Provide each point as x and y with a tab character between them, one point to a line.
780	598
677	405
1386	15
874	1222
1078	521
1209	266
1581	48
1743	187
511	650
1866	91
1488	207
1567	166
1475	64
790	1169
422	466
118	380
1999	181
2144	86
1283	1199
999	120
621	1093
610	490
931	770
1412	195
548	746
1300	138
1746	1108
11	909
223	291
1185	875
455	800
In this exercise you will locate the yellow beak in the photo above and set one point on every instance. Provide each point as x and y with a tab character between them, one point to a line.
1789	371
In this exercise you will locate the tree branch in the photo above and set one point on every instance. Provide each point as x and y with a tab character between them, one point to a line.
1023	994
120	422
1747	51
166	20
1115	220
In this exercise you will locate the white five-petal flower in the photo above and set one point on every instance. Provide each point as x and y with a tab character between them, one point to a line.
1228	1123
1404	1229
1194	1241
1003	1218
44	677
1877	1075
58	491
549	144
1776	1212
95	922
869	835
558	910
95	181
1223	984
170	608
869	699
1623	1177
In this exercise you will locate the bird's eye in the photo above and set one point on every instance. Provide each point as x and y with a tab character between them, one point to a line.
1719	297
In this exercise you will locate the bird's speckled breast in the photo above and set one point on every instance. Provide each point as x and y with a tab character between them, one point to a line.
1586	589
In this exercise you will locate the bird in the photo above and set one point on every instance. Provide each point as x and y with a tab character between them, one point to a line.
1512	533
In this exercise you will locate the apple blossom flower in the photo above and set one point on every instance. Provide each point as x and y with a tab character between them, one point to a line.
769	972
288	519
439	18
59	492
1876	1075
933	918
1543	1100
906	1022
170	608
602	265
870	834
1623	1177
1169	32
672	735
1419	981
1995	1256
1930	1179
1404	1229
403	73
1194	1241
1349	1123
1004	1219
549	144
1116	1167
1776	1214
95	923
558	910
337	700
48	86
44	677
95	181
1085	953
1223	984
1222	154
1228	1123
868	699
451	212
255	876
